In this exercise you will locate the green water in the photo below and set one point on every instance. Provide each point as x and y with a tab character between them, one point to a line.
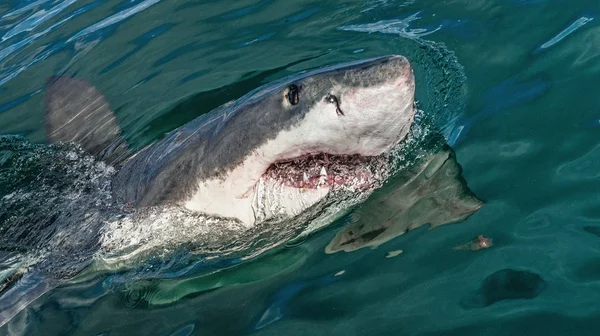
529	149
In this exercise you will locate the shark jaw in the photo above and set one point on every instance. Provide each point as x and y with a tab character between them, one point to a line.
352	116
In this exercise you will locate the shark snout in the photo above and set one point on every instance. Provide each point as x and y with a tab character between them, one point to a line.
398	72
392	72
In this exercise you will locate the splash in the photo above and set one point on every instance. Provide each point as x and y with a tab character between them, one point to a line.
440	78
50	198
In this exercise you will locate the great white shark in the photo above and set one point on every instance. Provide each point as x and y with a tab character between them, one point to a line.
274	152
272	155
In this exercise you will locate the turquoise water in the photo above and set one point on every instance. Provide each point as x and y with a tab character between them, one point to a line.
527	143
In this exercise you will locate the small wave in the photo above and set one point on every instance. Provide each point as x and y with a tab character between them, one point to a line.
442	100
9	72
395	26
116	18
24	9
37	19
41	16
568	31
379	4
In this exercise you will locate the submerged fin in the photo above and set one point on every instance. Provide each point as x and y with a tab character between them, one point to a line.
432	192
77	112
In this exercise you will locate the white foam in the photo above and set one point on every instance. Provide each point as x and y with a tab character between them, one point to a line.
396	26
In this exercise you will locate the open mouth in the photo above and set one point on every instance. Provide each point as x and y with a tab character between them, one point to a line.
327	171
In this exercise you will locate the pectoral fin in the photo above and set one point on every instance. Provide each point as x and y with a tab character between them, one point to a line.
432	192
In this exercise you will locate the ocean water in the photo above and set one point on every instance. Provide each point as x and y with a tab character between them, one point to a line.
518	80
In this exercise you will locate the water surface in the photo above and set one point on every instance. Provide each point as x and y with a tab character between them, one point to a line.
527	142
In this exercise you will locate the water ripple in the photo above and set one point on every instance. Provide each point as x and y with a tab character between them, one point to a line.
10	72
24	8
584	167
26	41
37	19
395	26
116	18
568	31
8	105
7	73
139	43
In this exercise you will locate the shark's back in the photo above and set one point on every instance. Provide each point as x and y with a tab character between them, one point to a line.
163	172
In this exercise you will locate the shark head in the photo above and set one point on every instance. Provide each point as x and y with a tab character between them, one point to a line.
306	136
273	153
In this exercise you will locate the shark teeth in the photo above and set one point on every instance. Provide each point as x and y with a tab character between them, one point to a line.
325	170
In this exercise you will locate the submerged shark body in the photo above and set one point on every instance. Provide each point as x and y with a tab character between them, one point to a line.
278	154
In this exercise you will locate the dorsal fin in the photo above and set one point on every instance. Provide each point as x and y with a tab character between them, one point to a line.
77	112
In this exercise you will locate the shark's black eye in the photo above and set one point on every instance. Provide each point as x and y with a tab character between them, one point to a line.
293	94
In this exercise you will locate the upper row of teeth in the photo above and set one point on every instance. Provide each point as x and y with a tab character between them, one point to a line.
322	178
